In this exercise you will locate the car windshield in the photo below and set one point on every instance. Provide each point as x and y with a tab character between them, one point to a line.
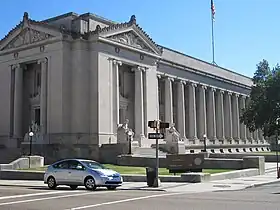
93	165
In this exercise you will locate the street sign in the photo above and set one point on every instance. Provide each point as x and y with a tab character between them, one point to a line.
156	135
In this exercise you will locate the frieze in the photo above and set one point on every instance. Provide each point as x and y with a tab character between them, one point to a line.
28	36
130	38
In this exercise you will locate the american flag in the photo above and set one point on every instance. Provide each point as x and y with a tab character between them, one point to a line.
213	10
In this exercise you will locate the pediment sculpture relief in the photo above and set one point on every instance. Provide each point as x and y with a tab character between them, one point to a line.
131	39
27	36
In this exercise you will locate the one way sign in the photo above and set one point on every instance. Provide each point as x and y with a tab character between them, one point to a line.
156	135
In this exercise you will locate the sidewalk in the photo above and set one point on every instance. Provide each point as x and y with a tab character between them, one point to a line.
228	184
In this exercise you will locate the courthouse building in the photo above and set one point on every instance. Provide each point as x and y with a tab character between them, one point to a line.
79	76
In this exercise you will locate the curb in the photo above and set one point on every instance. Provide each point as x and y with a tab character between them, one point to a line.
262	184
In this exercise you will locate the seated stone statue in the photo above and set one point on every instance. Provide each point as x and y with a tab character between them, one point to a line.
173	134
124	132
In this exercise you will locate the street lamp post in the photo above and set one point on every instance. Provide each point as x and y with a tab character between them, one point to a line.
129	134
204	141
31	134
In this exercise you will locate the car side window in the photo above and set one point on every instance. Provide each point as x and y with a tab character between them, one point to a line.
61	165
75	165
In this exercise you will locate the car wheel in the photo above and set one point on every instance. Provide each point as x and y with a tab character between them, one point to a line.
111	187
73	187
90	183
51	182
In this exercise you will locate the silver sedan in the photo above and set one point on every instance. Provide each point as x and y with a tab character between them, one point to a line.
80	172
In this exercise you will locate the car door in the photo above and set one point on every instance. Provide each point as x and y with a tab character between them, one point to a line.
61	171
76	172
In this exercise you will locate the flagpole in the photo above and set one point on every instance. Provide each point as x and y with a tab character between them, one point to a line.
213	40
213	43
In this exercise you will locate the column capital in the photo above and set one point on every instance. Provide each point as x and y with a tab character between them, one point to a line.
169	78
243	96
221	91
183	82
137	68
237	95
193	84
159	76
42	61
116	62
15	66
229	93
203	86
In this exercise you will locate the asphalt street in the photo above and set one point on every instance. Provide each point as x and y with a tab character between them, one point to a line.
27	198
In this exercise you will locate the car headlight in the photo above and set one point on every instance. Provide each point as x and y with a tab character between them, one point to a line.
101	174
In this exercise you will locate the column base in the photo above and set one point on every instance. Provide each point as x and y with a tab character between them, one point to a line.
194	140
140	139
214	139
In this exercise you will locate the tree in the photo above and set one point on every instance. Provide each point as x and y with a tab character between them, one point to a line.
263	108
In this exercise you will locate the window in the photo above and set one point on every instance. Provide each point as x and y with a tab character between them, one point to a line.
75	165
61	165
93	165
37	116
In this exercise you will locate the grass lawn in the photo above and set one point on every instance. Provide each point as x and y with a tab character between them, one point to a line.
138	170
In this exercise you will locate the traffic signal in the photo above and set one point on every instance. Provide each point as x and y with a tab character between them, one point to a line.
158	124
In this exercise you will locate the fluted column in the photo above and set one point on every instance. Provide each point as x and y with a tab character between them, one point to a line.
202	113
44	94
18	99
211	115
116	92
168	105
139	105
235	117
192	113
228	116
256	136
249	134
220	115
243	129
261	137
181	108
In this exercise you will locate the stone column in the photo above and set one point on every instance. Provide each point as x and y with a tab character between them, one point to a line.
168	105
18	101
261	136
249	134
256	136
235	117
139	105
220	116
202	113
44	94
181	108
243	129
228	116
116	90
192	113
211	115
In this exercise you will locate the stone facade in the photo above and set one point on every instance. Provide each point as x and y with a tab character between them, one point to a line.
80	76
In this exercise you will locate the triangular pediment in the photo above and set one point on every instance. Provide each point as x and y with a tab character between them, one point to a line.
133	39
131	35
28	32
26	37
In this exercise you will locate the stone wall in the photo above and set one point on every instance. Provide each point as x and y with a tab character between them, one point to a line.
209	163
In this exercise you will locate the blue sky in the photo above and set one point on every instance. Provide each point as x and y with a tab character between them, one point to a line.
246	31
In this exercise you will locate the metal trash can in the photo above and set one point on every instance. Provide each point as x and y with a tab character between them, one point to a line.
150	176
